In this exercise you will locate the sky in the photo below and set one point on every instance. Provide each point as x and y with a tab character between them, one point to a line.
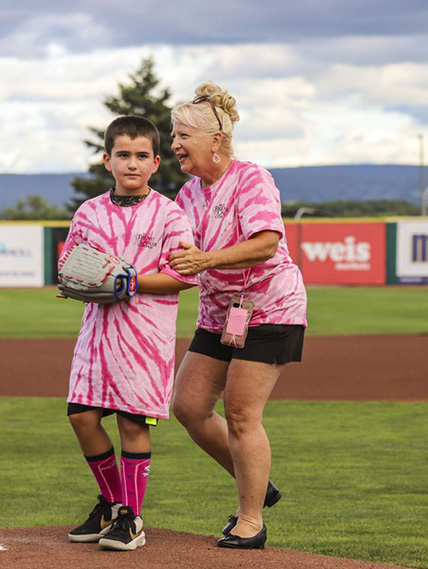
317	82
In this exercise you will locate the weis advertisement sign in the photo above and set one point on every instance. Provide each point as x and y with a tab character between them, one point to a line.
339	253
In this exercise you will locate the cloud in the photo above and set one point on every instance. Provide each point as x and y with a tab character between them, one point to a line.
397	88
341	114
35	36
28	28
316	83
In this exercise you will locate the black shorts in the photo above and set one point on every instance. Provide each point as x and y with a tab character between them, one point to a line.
74	408
268	343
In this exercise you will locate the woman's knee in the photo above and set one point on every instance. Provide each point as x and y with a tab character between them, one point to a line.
182	410
190	411
241	420
179	410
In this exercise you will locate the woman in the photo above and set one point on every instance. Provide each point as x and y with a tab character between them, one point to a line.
240	252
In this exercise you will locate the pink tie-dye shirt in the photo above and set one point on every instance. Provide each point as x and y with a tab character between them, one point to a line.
246	192
124	355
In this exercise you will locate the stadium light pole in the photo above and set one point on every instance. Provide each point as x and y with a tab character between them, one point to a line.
421	174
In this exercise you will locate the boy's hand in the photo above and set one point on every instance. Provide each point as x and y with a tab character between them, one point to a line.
190	260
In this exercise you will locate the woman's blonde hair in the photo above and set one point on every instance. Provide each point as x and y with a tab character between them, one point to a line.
201	115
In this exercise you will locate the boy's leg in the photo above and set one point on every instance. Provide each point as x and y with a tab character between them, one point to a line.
93	438
134	462
94	441
99	452
127	532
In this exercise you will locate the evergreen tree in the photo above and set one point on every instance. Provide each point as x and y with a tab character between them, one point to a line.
140	97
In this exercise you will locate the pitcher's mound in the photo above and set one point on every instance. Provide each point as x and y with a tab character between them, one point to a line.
47	547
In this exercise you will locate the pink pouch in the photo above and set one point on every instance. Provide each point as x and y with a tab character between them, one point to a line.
237	321
238	317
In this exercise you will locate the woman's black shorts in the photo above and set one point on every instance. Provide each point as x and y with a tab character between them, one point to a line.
74	408
268	343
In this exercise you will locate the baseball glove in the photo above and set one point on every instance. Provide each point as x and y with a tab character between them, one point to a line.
90	275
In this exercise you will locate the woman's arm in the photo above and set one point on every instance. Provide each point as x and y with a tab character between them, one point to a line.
160	283
258	248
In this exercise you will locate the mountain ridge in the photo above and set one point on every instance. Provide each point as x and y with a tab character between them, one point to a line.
306	183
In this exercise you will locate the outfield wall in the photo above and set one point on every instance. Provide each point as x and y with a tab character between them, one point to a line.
328	251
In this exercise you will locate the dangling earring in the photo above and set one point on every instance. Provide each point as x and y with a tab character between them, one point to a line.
216	158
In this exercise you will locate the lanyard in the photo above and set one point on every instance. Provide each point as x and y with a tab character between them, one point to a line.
245	272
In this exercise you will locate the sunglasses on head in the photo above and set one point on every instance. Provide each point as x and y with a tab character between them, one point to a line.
197	100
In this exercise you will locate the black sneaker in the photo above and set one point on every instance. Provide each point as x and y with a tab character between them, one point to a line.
126	533
273	495
98	522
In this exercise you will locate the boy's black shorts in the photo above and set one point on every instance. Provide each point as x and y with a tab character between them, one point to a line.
74	408
268	343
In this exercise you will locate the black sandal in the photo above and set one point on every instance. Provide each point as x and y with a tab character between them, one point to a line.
235	542
273	495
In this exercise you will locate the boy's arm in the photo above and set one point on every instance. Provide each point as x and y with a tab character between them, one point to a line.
161	283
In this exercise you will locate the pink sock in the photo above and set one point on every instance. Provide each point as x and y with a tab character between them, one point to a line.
104	468
135	472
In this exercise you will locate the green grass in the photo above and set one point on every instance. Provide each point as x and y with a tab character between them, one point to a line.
367	310
37	313
353	477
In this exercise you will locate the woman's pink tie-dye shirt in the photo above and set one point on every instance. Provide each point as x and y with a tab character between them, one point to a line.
246	192
124	355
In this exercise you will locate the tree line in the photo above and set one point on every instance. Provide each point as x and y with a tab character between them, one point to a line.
350	208
35	207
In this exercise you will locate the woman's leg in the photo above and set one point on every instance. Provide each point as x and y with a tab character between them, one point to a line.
248	387
198	386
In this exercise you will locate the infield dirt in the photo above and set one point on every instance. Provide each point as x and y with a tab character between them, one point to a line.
390	368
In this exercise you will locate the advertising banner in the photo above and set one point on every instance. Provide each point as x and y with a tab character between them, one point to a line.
339	253
21	255
412	251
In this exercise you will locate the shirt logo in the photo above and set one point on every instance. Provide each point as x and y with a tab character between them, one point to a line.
219	211
145	240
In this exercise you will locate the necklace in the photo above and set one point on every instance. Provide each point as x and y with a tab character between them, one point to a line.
126	201
217	179
224	169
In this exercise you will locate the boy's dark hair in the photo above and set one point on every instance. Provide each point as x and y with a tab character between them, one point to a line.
132	126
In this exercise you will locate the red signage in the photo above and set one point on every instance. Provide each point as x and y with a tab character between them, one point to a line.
339	253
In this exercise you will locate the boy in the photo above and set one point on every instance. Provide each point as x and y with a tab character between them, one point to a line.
124	356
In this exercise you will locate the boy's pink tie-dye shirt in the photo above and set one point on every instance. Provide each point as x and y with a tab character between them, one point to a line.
124	355
246	192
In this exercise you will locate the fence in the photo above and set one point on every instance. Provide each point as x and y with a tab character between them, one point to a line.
328	251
